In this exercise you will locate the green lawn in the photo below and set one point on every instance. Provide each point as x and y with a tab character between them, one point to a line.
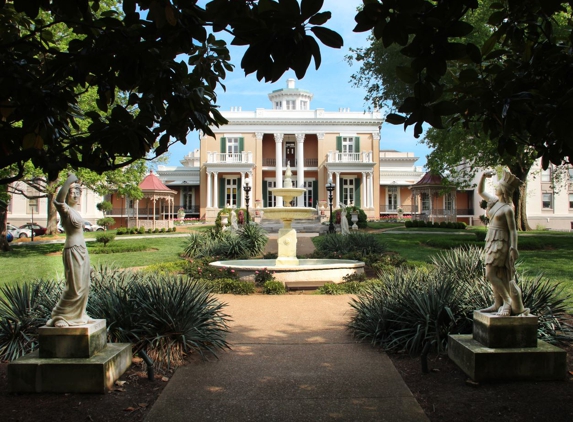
28	261
546	252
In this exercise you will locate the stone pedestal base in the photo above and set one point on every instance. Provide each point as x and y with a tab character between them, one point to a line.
480	363
70	360
32	374
72	342
496	331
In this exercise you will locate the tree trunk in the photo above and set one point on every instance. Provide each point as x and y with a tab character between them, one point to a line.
521	171
52	226
4	245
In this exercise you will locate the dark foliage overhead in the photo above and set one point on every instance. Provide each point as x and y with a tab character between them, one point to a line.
163	56
517	84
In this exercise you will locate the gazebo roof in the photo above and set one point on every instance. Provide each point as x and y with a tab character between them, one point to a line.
152	184
429	180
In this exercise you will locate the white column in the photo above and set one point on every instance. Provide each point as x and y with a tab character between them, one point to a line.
364	190
279	164
242	191
215	190
300	163
336	200
371	190
209	191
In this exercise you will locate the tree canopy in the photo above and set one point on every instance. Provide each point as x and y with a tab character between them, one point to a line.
162	55
514	86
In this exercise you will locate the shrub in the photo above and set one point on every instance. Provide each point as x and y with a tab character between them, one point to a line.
337	245
141	230
162	230
199	268
262	276
352	287
173	229
229	286
480	236
120	231
408	224
149	230
274	288
106	222
156	230
104	237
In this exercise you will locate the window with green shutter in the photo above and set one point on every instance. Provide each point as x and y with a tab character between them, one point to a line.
357	183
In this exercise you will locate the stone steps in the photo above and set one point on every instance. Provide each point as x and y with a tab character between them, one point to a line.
308	225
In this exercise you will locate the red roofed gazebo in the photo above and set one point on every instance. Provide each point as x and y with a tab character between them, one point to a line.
427	195
160	202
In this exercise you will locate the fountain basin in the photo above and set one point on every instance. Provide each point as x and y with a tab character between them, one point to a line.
307	271
288	213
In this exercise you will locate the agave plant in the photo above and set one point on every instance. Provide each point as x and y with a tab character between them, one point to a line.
178	316
255	239
111	298
23	309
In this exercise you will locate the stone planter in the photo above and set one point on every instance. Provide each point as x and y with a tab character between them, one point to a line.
224	220
354	219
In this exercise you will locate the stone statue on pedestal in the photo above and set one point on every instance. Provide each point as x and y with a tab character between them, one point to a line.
71	308
501	246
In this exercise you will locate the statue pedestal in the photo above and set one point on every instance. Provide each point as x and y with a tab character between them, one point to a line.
506	348
70	360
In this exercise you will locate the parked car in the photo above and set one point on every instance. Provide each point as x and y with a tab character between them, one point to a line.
38	230
90	227
18	233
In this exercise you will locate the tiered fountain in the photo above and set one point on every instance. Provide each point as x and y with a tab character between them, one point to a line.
287	268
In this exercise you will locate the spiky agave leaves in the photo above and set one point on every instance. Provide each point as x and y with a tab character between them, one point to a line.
178	316
23	309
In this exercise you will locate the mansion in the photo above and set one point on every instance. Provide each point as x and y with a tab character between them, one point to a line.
319	146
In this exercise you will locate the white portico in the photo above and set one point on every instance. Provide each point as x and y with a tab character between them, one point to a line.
315	143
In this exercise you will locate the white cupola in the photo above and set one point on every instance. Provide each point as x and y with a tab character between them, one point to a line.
290	98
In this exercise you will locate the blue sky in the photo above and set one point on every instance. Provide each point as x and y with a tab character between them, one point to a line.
330	85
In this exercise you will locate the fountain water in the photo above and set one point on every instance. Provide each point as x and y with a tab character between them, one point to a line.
287	268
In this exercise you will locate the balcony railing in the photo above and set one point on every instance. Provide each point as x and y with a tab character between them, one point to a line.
393	209
415	210
236	157
308	162
350	157
159	211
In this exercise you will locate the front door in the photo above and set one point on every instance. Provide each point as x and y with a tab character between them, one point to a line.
290	153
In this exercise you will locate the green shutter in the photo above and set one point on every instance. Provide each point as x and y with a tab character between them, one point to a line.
314	193
357	144
340	194
339	143
223	145
357	192
239	192
241	144
221	203
265	193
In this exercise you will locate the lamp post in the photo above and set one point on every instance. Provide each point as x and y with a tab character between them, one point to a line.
247	189
330	188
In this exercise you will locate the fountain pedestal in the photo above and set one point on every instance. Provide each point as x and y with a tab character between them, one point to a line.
287	245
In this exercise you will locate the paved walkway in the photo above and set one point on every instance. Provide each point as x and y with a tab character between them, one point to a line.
292	359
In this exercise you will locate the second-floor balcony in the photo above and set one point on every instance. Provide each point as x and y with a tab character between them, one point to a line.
308	162
234	157
349	157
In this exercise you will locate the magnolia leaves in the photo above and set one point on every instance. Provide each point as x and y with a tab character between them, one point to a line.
276	33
